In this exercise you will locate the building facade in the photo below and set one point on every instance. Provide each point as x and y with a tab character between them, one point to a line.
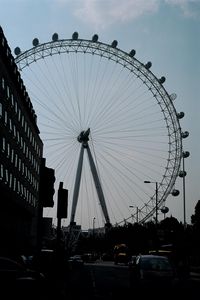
20	157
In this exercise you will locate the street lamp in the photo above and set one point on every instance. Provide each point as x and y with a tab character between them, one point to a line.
146	181
93	225
182	174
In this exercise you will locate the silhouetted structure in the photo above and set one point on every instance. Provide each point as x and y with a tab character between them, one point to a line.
20	157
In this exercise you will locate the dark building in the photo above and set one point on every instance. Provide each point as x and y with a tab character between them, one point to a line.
20	157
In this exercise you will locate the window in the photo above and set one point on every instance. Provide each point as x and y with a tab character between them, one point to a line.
6	177
12	100
1	110
1	172
5	117
26	172
10	180
8	150
25	126
3	144
18	187
23	168
18	137
21	143
3	83
24	148
22	120
19	167
12	155
19	115
8	92
16	107
14	184
14	131
16	160
28	132
22	189
10	125
27	151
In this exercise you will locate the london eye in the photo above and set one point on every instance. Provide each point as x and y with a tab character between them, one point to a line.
108	124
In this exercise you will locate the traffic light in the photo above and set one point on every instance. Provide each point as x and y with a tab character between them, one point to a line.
62	202
47	179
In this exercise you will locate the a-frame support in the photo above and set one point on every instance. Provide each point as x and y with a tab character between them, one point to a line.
83	138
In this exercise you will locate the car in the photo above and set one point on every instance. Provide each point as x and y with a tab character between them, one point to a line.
45	262
18	280
132	261
26	259
89	257
152	272
76	261
121	258
180	262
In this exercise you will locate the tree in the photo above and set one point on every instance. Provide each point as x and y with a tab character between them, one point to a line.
195	218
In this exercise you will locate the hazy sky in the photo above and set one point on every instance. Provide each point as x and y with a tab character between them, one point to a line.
166	32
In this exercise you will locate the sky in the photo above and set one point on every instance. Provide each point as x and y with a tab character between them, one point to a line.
165	32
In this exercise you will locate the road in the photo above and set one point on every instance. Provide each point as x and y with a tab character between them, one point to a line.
106	281
102	280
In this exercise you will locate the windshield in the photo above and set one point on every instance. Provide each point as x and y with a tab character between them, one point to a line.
155	264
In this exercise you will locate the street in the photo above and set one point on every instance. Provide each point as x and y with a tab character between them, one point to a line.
104	280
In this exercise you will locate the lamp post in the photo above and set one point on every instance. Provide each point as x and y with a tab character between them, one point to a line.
182	174
146	181
93	225
184	205
157	241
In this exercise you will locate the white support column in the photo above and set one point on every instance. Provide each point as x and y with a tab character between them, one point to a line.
98	186
77	185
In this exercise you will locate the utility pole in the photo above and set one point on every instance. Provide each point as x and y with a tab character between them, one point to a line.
156	219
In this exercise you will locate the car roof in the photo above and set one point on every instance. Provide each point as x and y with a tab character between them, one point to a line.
47	250
153	256
9	261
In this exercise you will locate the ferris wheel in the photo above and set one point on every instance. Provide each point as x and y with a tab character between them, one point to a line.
108	125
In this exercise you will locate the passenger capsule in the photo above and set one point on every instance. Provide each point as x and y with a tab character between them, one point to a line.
173	96
75	35
180	115
55	37
182	174
148	65
186	154
175	193
164	209
35	42
95	38
162	79
114	44
132	53
185	134
17	51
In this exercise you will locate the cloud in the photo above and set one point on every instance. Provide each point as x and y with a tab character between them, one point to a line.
189	8
102	13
